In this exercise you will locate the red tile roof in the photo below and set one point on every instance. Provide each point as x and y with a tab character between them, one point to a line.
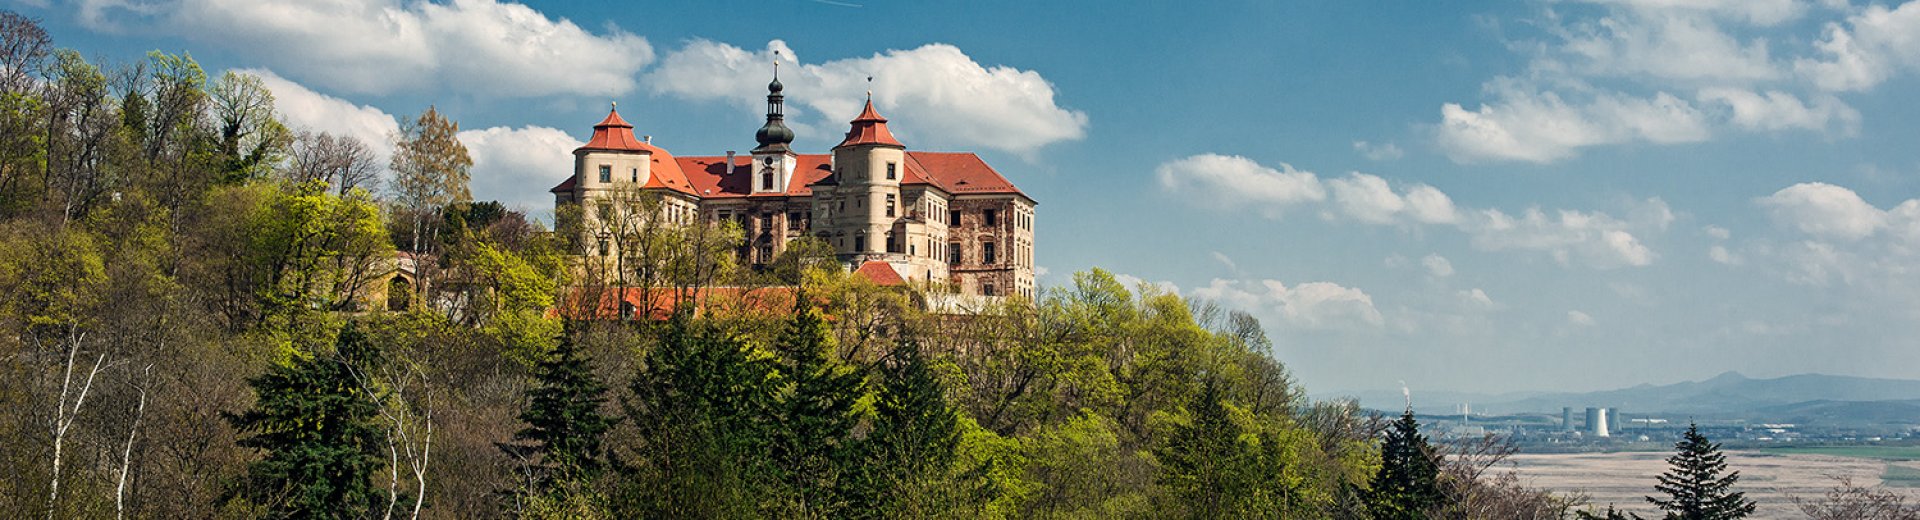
869	128
658	303
614	134
958	173
880	273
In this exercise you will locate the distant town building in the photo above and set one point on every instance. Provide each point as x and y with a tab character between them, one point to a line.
1597	422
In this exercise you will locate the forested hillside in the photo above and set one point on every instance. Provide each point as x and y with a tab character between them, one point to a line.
200	318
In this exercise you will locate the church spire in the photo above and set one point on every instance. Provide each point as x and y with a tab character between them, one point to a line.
774	136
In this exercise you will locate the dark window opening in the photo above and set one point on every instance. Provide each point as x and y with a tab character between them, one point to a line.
606	173
890	171
953	218
993	218
986	253
953	253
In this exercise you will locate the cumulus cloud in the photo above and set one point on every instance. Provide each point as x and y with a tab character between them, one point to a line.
1238	181
512	165
1595	239
1312	305
1776	110
1612	76
516	165
388	46
1866	49
1378	152
1824	210
1437	265
301	107
935	94
1525	123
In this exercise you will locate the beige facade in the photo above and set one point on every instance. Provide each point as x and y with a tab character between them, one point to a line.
946	219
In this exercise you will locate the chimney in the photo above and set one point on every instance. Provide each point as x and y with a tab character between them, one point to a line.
647	138
729	163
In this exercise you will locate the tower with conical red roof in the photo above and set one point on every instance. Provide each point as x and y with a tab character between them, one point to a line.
868	166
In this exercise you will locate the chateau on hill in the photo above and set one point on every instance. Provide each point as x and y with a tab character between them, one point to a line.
888	212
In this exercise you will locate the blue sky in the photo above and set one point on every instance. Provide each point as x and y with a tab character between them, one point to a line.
1490	196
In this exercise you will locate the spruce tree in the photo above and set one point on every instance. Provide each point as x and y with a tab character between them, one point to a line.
1203	461
702	406
318	426
1408	483
564	423
812	444
914	442
1697	483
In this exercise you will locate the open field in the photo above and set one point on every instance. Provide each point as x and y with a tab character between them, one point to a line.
1769	477
1888	453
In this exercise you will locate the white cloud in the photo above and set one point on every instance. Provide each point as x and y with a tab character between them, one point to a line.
1312	305
1758	12
1718	232
1437	265
1378	152
1720	254
1776	110
1226	261
1579	318
1665	44
1476	297
935	94
301	107
1367	198
512	165
516	165
1239	181
1870	47
1135	283
1593	238
1525	123
1824	210
388	46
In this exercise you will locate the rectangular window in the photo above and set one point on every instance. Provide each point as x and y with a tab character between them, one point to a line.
987	290
953	253
986	253
890	171
604	249
889	204
992	218
793	220
860	244
636	175
953	218
606	173
605	211
893	244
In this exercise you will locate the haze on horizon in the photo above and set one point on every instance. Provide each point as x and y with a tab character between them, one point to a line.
1534	195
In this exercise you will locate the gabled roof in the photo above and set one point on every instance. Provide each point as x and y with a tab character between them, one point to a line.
880	273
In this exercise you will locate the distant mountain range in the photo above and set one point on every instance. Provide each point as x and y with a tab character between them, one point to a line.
1804	395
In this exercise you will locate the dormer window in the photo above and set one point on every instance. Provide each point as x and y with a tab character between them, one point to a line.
766	180
606	173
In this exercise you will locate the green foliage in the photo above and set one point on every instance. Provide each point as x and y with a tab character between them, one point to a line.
1697	483
701	407
812	444
1408	483
564	423
317	427
912	450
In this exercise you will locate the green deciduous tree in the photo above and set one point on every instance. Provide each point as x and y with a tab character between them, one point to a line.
320	434
1697	483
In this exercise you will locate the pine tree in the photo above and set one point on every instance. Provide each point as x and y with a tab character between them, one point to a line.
914	442
813	440
563	418
319	429
1203	460
1697	483
1408	483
